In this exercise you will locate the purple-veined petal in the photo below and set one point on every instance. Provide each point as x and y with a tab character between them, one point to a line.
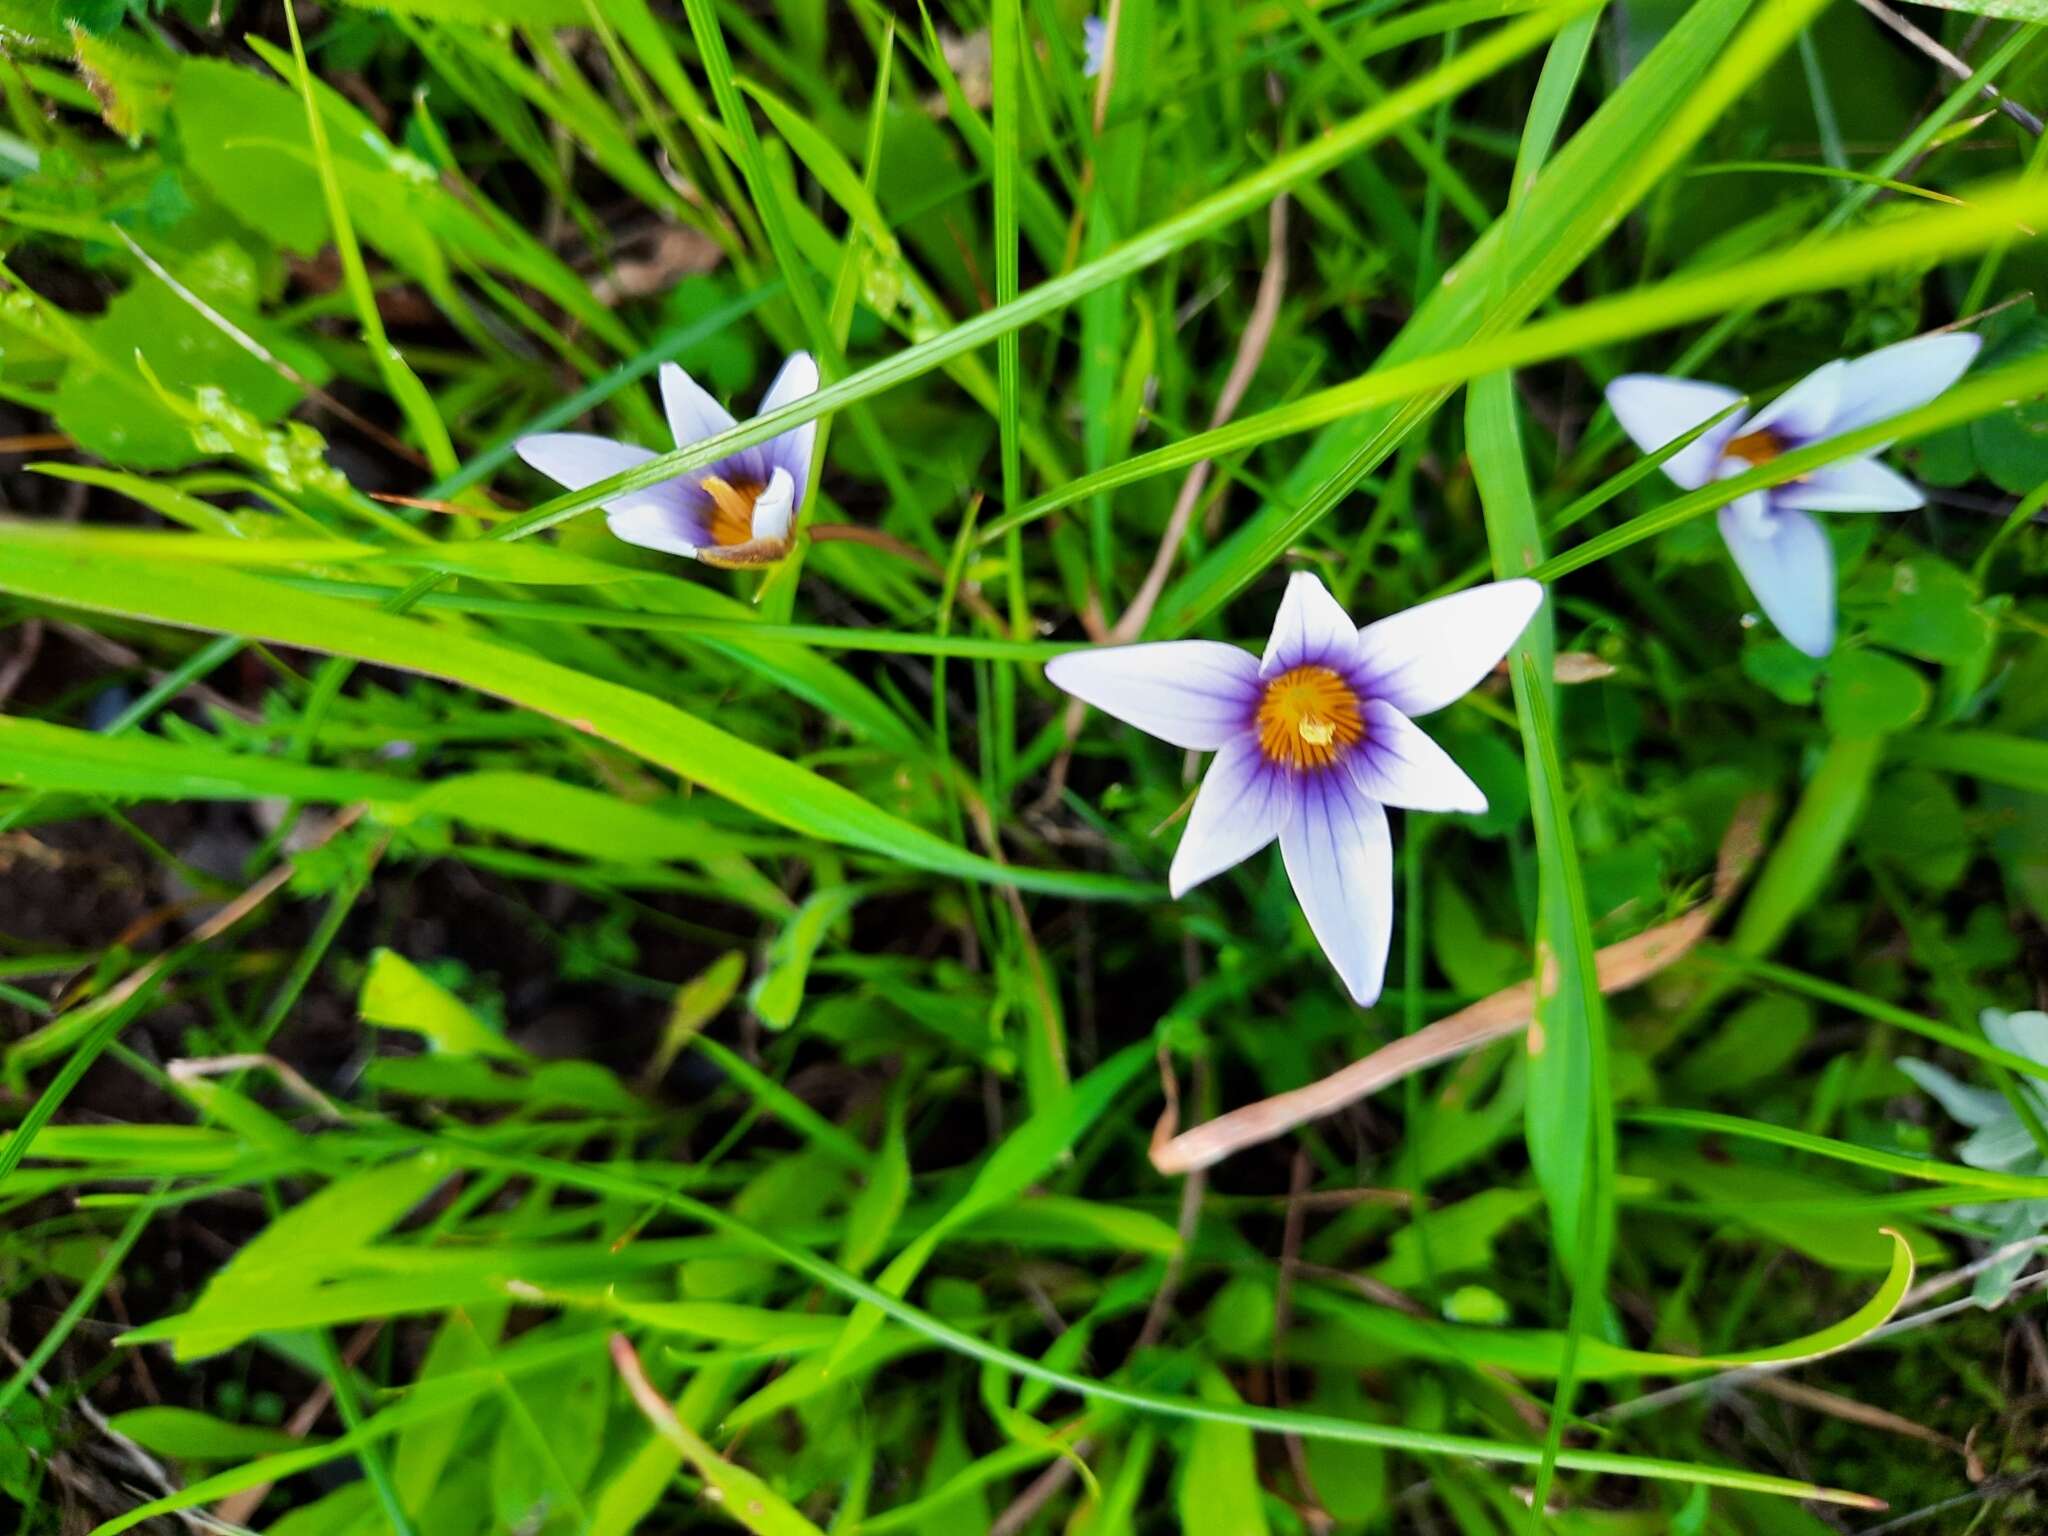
1340	860
692	414
576	459
1790	566
1193	693
792	450
1854	485
1655	410
1423	658
1309	630
1399	764
1806	411
1902	377
661	516
1243	803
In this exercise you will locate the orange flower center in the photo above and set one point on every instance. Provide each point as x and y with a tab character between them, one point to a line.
1755	448
1308	718
732	509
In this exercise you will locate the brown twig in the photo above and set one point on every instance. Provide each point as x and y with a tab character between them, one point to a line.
1507	1012
16	666
236	1508
1948	61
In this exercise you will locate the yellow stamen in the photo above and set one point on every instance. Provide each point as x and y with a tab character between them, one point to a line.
732	510
1755	448
1308	718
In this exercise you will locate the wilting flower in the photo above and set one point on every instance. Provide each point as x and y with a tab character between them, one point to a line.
1782	552
1312	742
1094	42
737	511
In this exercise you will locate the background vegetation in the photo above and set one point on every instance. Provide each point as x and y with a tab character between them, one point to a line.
509	1033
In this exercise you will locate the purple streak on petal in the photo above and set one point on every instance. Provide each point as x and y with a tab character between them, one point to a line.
664	516
792	450
1785	557
1243	803
1340	859
1806	411
1193	693
1310	630
1399	764
692	414
1422	659
1655	410
1902	378
1854	485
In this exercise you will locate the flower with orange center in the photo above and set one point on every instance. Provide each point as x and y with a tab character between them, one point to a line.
1781	550
1313	741
1308	718
738	511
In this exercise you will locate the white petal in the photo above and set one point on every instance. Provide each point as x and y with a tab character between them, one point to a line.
692	414
773	506
1790	566
1975	1107
1902	378
1242	805
1309	630
1193	693
792	450
1806	411
576	459
1655	410
659	516
1854	485
662	528
1340	859
1398	764
1422	659
2024	1034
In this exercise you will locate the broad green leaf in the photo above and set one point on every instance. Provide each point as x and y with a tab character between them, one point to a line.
1218	1492
1868	693
397	994
187	353
191	1435
2018	761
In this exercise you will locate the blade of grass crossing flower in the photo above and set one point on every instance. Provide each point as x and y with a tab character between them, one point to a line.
1320	154
421	414
781	791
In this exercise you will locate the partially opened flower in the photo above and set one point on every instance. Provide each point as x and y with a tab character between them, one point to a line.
1782	552
1312	742
737	511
